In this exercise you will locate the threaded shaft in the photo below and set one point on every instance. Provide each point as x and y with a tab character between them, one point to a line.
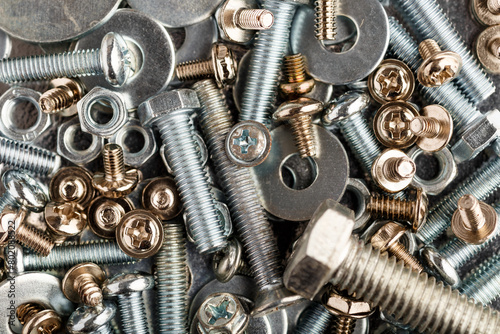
89	291
294	67
67	64
24	156
483	283
259	93
304	136
480	184
326	27
314	320
7	199
343	325
428	21
398	169
412	298
427	127
471	213
193	70
401	253
254	19
114	163
59	98
181	148
70	254
493	6
392	208
133	313
27	311
105	329
248	216
172	281
428	48
31	238
463	112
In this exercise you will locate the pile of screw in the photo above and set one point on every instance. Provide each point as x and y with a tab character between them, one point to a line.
120	237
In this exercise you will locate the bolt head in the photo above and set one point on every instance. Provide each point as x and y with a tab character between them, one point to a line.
226	261
27	191
225	65
387	235
65	218
348	104
86	319
439	69
116	59
46	321
343	305
105	214
248	143
303	106
72	184
222	313
127	283
393	80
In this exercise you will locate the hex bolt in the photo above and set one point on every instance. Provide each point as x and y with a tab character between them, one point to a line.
229	261
248	143
428	21
473	221
296	80
326	27
64	220
37	319
378	279
298	113
433	129
65	94
89	320
314	320
387	239
393	170
116	181
172	281
128	289
246	211
392	80
483	283
438	67
113	60
81	284
170	112
222	313
480	184
222	66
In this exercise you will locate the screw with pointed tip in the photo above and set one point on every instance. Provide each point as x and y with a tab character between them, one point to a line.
37	319
81	284
91	320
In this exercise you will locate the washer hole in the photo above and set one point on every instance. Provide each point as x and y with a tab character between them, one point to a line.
428	166
23	113
133	141
304	170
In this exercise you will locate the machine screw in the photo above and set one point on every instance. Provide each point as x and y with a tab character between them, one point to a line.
326	27
222	66
88	320
229	261
391	124
387	239
115	181
438	67
113	60
172	280
487	49
314	320
128	289
248	143
65	94
296	82
160	196
222	313
393	170
81	284
247	213
37	319
483	283
64	220
428	20
392	80
22	190
104	215
433	129
72	184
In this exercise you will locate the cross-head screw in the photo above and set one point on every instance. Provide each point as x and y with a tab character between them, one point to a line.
222	313
433	129
393	170
87	320
37	319
72	184
296	81
65	219
391	124
65	94
81	284
438	67
248	143
392	80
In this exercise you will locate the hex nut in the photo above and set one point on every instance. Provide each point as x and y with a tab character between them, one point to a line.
391	124
248	143
104	215
72	184
362	193
341	305
161	197
66	148
392	80
222	313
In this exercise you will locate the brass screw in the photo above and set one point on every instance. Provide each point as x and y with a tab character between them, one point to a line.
105	214
116	181
473	222
64	220
391	124
37	319
438	67
392	80
493	6
65	94
72	184
296	80
433	129
326	27
222	66
487	49
160	196
393	170
81	284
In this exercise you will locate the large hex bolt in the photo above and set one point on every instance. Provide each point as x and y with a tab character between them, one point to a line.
170	112
328	252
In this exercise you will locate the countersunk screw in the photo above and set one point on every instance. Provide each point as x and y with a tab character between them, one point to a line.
248	143
222	313
81	284
222	66
229	261
438	67
65	94
326	28
393	170
37	319
387	239
90	320
113	60
483	283
116	181
297	82
473	222
314	320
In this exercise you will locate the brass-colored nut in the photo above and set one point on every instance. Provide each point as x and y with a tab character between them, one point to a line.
104	215
393	170
72	184
140	234
160	196
81	284
391	124
392	80
486	12
65	219
438	67
387	235
487	49
340	304
433	129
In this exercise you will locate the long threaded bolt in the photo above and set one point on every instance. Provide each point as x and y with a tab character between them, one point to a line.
113	60
428	20
483	283
247	213
326	28
37	319
314	320
61	97
172	281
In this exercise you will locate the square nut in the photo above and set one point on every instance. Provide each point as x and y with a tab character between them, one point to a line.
320	250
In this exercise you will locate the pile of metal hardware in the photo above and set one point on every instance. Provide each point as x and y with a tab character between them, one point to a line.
243	166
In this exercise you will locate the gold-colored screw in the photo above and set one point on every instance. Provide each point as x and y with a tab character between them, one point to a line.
393	170
438	67
64	219
82	284
66	93
37	319
474	221
433	129
116	181
387	239
326	27
493	6
296	81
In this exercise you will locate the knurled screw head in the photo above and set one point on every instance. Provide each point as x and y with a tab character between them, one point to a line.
82	284
392	80
391	124
222	313
248	143
438	67
160	196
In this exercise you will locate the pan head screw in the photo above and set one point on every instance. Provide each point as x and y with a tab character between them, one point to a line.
393	80
81	284
248	143
439	67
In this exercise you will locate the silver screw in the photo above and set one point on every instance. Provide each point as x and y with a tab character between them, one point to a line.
86	319
248	143
22	190
314	320
483	283
326	27
222	313
247	213
113	60
428	20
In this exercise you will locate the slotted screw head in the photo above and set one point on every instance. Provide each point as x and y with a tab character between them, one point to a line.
116	59
392	80
248	143
439	67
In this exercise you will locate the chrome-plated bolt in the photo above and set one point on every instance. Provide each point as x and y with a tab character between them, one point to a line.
22	190
65	94
222	313
326	27
483	282
113	60
37	319
81	284
89	320
438	67
314	320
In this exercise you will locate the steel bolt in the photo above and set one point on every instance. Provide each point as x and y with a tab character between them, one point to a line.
37	319
65	94
314	320
438	67
483	283
81	284
248	143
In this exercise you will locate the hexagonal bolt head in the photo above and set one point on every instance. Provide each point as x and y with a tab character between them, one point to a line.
343	305
222	313
387	235
439	67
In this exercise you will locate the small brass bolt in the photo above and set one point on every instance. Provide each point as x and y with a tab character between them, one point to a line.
473	222
393	170
433	129
493	6
392	80
296	80
82	284
36	319
65	94
438	67
487	48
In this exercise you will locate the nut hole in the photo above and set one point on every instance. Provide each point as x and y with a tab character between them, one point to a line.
23	114
428	166
134	141
79	141
99	114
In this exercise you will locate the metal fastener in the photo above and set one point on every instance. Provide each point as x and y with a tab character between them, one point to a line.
222	313
296	81
326	11
64	220
104	215
22	190
81	284
72	184
392	80
391	124
87	320
487	49
433	128
248	143
393	170
486	12
438	67
229	261
37	319
483	283
314	320
60	99
160	196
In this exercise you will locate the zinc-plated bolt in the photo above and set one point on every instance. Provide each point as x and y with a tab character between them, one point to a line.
438	67
22	190
428	20
172	281
296	82
37	319
113	60
393	170
480	184
483	283
92	320
473	222
222	66
247	213
222	313
81	284
65	94
229	261
326	27
314	320
128	289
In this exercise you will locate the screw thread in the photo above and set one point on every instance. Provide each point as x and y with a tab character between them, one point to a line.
398	250
248	215
398	169
178	135
471	213
27	311
385	282
7	199
89	291
343	325
133	313
59	98
30	238
105	329
294	67
314	320
423	126
254	19
483	283
67	64
259	94
70	254
172	281
428	48
195	69
326	26
493	6
304	136
392	208
114	163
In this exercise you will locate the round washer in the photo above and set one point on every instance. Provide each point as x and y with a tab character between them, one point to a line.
299	205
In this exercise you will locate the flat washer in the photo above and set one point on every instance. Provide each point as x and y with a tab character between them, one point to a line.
330	183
